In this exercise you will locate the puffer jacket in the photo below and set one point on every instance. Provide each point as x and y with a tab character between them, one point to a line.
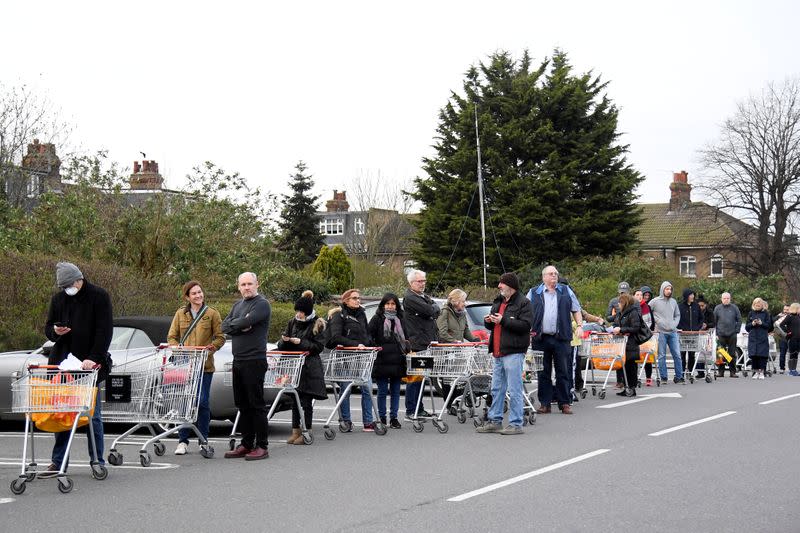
348	327
691	316
312	340
207	332
629	322
391	360
758	335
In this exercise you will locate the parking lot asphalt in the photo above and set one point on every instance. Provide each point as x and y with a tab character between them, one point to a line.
701	457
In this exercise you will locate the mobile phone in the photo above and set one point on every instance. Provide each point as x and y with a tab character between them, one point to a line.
60	324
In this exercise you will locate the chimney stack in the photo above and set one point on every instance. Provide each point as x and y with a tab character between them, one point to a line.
339	202
680	196
145	176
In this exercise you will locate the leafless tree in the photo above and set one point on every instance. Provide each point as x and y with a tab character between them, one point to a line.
754	171
385	232
24	116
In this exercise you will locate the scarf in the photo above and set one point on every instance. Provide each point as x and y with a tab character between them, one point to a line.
396	331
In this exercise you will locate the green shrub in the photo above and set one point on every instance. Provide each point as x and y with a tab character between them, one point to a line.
333	265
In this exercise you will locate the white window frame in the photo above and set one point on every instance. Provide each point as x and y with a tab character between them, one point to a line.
688	266
331	226
359	228
717	258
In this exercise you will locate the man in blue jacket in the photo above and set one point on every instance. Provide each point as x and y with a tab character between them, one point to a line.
554	308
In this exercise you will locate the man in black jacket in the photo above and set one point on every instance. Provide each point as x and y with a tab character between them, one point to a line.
509	324
421	312
248	324
80	323
691	320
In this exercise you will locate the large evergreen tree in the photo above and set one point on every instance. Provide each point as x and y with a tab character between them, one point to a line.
556	181
300	237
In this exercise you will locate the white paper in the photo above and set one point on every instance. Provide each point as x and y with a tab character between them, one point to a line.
70	363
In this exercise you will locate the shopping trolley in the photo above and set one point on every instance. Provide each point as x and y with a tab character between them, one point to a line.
743	361
354	366
66	395
452	362
283	373
702	344
477	386
605	352
534	363
165	392
648	354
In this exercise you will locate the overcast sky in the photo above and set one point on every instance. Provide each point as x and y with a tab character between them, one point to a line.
354	88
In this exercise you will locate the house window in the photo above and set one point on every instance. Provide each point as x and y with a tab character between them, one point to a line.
716	266
688	266
359	226
33	188
331	226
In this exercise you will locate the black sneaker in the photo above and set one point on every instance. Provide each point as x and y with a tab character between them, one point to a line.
383	420
679	380
395	424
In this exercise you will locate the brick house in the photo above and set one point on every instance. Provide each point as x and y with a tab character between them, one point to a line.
379	235
700	240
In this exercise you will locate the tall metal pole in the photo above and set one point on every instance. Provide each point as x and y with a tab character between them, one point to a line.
480	194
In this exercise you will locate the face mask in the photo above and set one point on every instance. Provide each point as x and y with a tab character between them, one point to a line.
71	291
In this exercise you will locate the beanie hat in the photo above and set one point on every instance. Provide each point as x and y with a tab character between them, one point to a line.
305	303
645	289
510	279
67	274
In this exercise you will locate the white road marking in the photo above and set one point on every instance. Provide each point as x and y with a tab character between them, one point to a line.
5	461
529	475
690	424
779	399
6	500
640	398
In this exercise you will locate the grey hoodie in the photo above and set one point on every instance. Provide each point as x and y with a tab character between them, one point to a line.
665	311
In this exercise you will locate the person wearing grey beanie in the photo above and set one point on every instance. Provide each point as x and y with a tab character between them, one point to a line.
67	274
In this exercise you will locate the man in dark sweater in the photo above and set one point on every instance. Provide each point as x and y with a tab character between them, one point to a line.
247	324
80	323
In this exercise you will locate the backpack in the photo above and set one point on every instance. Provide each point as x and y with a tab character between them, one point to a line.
644	334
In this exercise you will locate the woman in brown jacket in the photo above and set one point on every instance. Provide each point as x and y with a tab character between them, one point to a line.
196	324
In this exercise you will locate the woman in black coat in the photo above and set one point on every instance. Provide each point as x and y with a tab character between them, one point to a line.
629	320
305	332
792	328
758	326
388	329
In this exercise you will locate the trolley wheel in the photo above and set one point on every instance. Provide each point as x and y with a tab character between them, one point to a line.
330	434
524	420
115	458
207	451
639	383
308	438
583	394
461	417
477	423
532	418
658	383
65	484
744	373
160	448
232	444
691	379
99	472
380	429
602	395
18	486
345	426
708	378
452	411
145	459
470	412
30	476
419	427
594	391
442	427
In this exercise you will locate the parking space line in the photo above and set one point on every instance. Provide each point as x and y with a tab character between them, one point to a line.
529	475
7	500
779	399
690	424
5	461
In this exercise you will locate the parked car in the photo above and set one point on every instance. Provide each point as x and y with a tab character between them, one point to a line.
475	313
131	338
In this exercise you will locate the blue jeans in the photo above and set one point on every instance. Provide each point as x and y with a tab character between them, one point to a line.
392	387
507	377
412	394
62	437
670	339
557	353
366	403
203	411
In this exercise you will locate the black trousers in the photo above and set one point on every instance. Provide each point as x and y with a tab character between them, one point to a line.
631	369
729	343
307	403
248	395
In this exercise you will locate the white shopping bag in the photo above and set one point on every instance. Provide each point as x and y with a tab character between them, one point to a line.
70	363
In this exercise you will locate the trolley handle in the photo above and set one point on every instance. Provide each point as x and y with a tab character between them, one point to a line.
458	344
164	346
56	367
281	352
372	348
691	332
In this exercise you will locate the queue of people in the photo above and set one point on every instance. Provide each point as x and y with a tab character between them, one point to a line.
549	318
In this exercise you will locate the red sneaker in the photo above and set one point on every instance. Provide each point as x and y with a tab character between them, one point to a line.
649	382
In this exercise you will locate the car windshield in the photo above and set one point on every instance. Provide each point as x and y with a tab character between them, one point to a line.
476	314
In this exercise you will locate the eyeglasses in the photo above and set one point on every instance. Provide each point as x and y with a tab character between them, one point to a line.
355	297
